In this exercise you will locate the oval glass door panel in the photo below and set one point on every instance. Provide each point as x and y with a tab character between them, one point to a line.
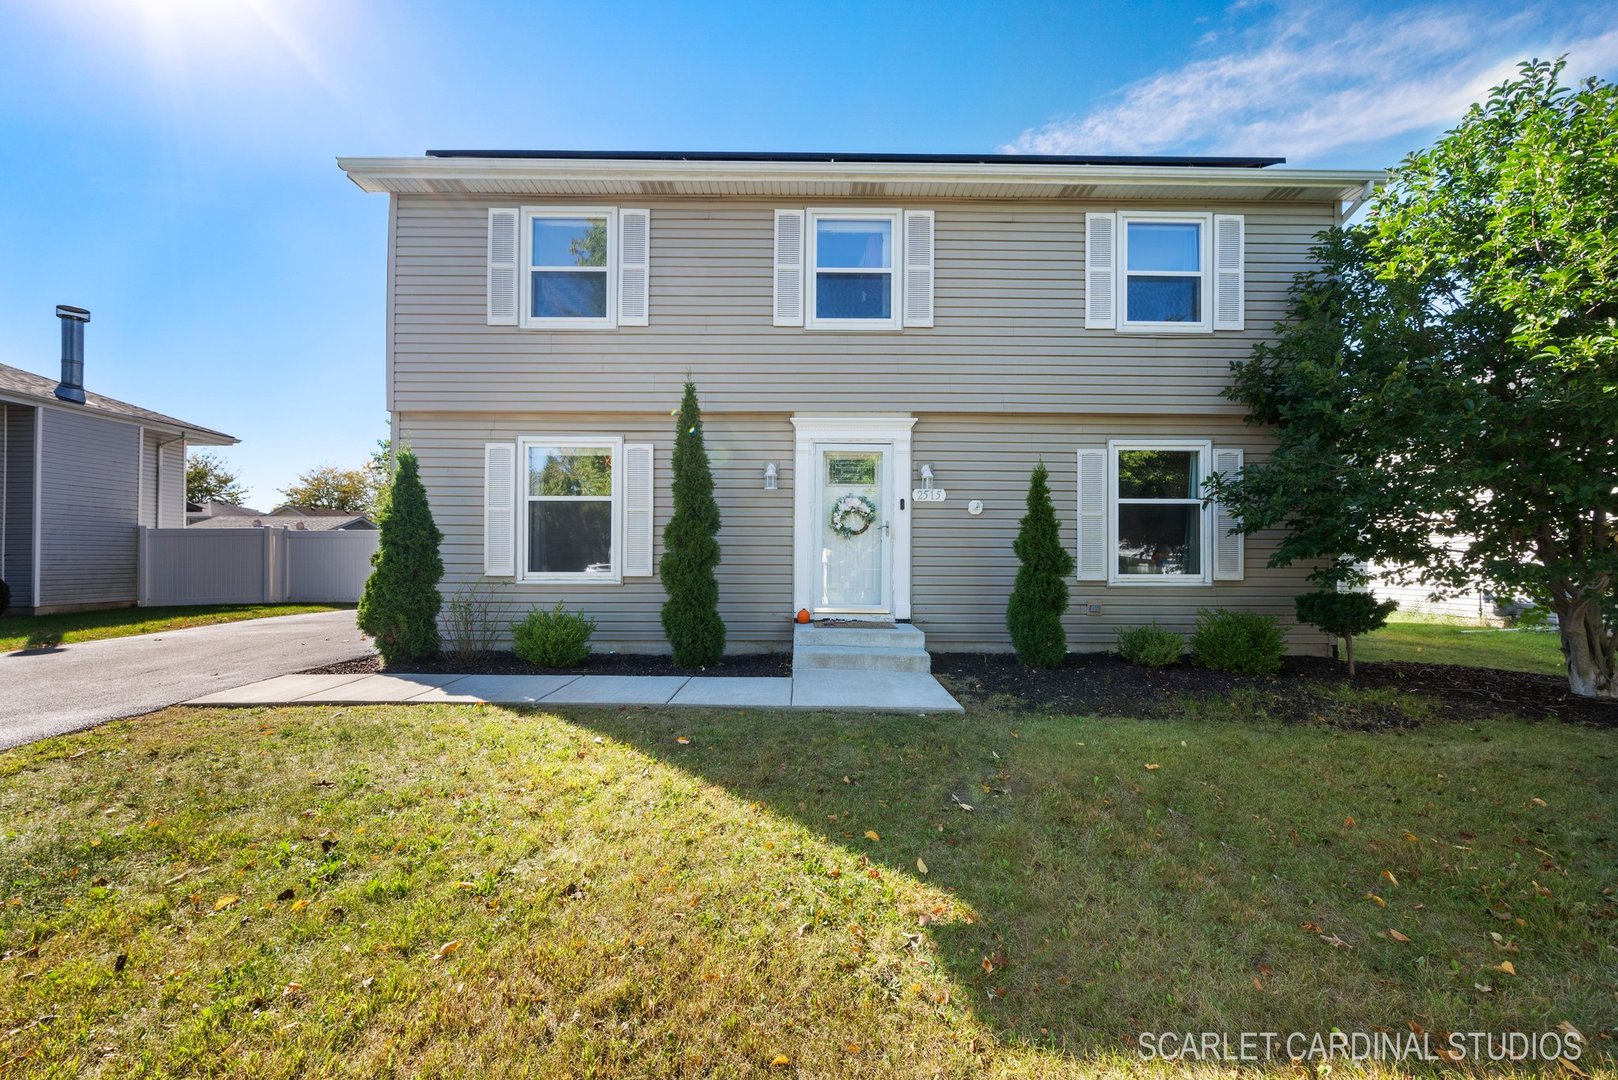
853	530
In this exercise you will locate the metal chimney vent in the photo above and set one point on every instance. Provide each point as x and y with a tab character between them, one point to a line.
71	388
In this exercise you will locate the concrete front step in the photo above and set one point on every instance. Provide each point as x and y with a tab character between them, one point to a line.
859	648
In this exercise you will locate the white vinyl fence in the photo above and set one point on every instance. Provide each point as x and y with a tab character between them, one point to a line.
253	566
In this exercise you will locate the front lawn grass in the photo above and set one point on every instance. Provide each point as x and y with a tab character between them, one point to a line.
1431	642
48	631
476	891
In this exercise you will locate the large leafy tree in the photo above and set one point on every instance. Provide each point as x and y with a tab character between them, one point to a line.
208	478
1445	393
332	488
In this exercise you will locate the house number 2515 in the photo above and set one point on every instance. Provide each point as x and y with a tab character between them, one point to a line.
927	495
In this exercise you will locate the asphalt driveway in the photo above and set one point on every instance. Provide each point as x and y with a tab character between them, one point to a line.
52	691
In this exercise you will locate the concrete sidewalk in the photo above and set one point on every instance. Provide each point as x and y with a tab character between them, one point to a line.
840	691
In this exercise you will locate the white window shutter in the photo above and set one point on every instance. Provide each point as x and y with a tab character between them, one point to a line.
1092	560
1229	257
1100	271
789	267
500	509
503	267
918	285
1229	548
638	509
634	267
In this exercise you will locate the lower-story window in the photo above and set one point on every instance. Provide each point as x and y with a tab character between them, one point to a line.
571	520
1160	524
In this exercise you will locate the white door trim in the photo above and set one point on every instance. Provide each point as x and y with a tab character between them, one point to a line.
812	430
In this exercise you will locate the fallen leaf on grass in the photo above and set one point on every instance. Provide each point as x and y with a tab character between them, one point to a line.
1348	823
1335	942
682	740
956	799
1507	967
1396	936
1538	802
780	1060
1568	1066
292	989
228	900
1153	768
921	867
1388	874
1375	899
871	834
1412	837
448	949
299	905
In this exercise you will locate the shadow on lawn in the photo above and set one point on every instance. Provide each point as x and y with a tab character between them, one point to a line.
1035	966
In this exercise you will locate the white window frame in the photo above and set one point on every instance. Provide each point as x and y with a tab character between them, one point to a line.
525	285
524	499
812	271
1204	222
1204	450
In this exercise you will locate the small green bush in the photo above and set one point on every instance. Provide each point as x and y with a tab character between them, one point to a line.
1344	614
557	638
1244	642
1150	646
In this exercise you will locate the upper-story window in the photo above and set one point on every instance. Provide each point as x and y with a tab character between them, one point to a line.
854	282
1164	272
844	268
571	267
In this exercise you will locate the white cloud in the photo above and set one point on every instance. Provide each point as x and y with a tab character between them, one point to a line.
1306	82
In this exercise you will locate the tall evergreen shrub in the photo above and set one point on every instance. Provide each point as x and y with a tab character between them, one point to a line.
399	608
691	548
1038	599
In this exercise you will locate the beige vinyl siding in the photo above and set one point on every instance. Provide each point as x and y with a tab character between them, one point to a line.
89	484
17	502
962	567
755	578
1008	337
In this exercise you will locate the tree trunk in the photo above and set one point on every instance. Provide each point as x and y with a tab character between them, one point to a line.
1588	648
1348	641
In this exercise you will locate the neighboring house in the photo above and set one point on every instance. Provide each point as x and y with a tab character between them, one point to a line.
293	511
914	331
78	473
320	521
195	512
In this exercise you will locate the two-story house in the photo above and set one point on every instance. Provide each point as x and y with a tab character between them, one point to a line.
884	345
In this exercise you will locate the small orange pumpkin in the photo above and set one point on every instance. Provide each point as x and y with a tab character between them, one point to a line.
803	615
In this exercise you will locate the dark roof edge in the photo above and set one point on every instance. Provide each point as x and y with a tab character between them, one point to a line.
866	159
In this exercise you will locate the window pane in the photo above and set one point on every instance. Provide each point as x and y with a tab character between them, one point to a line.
1165	299
1160	540
853	296
1163	245
854	244
573	470
569	294
1158	474
570	537
570	241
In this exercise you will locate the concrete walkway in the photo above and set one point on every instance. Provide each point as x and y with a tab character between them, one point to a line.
51	691
840	691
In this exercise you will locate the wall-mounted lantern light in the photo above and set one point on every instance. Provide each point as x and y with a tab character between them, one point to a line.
771	477
927	477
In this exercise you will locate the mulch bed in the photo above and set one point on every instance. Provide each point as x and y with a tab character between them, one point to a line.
1102	683
505	663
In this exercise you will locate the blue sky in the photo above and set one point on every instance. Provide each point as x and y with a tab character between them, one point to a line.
169	163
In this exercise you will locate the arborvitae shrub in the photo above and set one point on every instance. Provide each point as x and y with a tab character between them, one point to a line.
691	548
1039	597
399	608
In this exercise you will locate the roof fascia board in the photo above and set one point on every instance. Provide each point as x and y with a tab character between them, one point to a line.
375	174
199	436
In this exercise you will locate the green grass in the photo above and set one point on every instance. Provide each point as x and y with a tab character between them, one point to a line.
476	891
1432	642
46	631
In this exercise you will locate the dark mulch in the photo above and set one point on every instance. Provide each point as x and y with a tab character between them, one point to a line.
1102	683
505	663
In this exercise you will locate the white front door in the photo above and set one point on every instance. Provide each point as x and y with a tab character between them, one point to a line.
853	564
